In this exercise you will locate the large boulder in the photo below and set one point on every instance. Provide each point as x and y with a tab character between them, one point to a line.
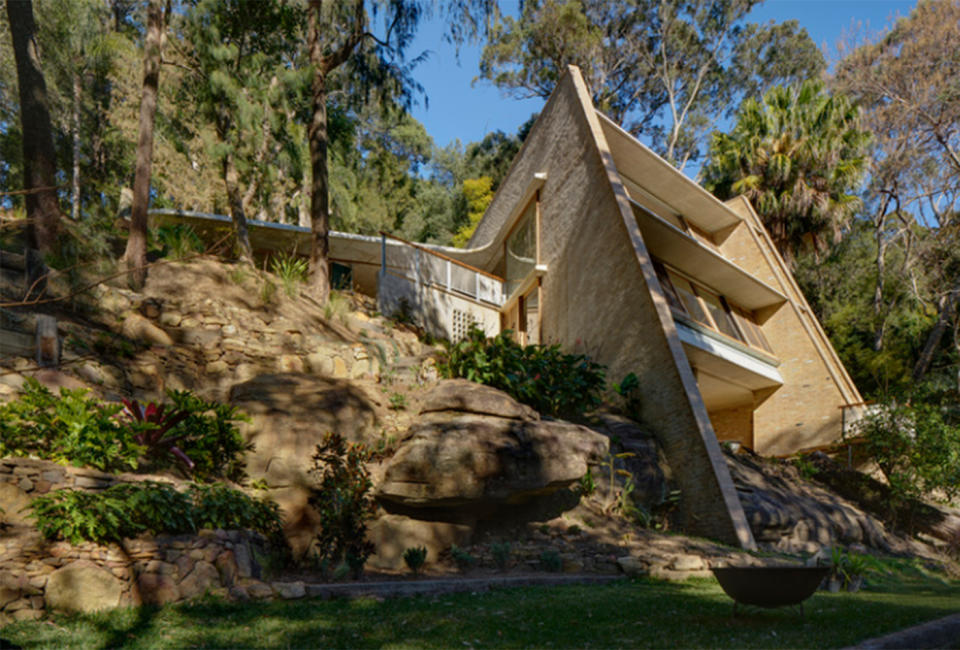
462	396
790	514
82	587
13	503
475	448
291	412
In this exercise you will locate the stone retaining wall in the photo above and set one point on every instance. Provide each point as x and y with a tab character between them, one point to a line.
37	575
36	477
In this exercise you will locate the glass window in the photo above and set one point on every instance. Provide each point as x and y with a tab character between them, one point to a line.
719	313
671	294
521	249
748	325
691	302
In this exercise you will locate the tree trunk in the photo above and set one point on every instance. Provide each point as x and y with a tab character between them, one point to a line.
39	158
75	126
948	306
231	179
319	190
135	256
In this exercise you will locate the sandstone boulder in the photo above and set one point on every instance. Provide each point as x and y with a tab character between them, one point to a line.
81	587
460	395
291	413
393	534
482	460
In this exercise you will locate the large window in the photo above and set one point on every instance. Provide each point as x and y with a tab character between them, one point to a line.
699	304
521	249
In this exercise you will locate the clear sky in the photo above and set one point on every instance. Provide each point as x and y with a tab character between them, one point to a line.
458	108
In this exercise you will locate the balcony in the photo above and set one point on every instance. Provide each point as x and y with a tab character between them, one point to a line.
684	253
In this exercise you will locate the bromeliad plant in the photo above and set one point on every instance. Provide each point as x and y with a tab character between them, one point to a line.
154	429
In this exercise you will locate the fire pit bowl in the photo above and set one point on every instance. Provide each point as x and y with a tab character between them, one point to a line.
770	586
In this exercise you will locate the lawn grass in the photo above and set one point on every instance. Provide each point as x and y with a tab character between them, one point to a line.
630	613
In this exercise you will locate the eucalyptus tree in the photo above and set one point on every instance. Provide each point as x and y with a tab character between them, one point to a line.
665	69
135	256
240	56
800	156
906	80
39	156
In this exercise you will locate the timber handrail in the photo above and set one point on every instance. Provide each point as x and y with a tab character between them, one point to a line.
442	256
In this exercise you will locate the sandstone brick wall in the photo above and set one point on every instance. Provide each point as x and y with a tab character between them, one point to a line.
37	575
734	424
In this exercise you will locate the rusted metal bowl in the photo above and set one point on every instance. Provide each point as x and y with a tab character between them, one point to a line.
770	586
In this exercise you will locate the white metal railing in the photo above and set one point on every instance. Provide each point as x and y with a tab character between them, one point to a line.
426	268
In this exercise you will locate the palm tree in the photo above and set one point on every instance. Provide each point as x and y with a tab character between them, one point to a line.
799	156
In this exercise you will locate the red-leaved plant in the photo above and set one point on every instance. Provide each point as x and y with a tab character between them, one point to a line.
153	424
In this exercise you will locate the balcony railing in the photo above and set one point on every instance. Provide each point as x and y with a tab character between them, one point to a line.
428	268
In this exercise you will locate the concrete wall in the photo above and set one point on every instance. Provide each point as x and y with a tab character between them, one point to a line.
806	411
440	312
601	297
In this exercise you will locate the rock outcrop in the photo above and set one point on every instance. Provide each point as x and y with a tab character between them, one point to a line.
479	459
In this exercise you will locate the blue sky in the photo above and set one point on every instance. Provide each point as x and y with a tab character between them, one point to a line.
459	108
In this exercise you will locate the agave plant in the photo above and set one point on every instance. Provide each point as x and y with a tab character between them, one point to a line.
153	424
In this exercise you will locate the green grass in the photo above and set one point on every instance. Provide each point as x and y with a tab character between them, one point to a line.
636	613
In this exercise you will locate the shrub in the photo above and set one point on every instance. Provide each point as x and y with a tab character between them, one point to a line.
551	561
463	559
541	376
343	500
127	510
178	240
501	554
69	427
219	506
73	428
212	440
916	447
291	270
415	558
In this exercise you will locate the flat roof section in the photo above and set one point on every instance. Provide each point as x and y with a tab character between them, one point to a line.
663	181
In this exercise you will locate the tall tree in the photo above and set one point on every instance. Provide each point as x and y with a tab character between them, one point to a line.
800	157
239	54
666	69
907	83
335	32
136	253
39	157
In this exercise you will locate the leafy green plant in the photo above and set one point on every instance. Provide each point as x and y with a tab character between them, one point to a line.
343	501
918	450
268	291
462	558
501	552
541	376
806	467
415	557
551	561
217	505
398	401
337	307
587	483
79	517
292	271
178	240
629	391
210	436
127	510
70	427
